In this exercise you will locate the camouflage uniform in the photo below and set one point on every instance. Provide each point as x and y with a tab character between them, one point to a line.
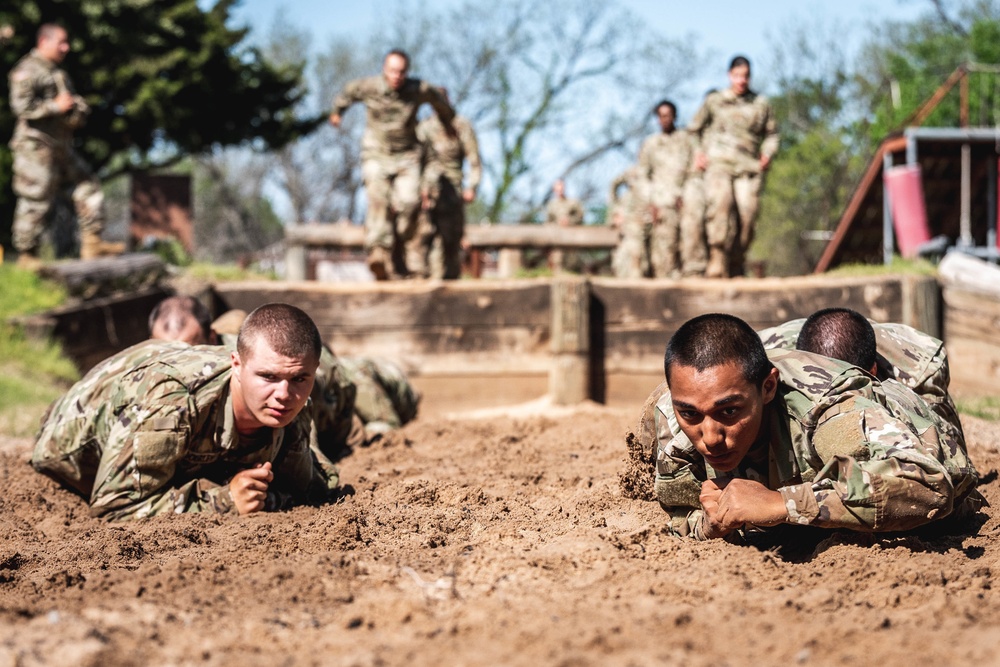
694	251
904	354
663	160
152	431
733	132
442	181
391	155
564	212
385	398
44	159
629	212
844	451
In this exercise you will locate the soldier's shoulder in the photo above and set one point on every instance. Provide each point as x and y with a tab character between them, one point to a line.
29	65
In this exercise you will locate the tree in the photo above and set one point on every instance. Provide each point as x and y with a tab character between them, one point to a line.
164	79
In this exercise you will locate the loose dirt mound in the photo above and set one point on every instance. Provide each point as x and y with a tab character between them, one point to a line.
503	539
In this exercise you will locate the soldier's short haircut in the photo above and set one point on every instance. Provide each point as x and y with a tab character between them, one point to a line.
286	329
48	30
840	333
173	312
665	103
738	61
715	339
401	53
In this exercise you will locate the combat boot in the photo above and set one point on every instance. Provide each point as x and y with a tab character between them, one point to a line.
718	264
92	247
379	262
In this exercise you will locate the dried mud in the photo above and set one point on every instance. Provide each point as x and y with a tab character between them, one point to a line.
466	541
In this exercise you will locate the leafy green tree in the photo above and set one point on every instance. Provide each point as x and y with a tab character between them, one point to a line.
164	79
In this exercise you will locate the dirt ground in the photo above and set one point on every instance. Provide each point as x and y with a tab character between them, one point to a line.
497	538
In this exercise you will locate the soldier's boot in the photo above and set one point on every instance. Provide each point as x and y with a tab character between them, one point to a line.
718	263
28	261
379	262
92	246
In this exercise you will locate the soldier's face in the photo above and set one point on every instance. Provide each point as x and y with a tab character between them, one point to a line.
394	70
719	411
54	46
269	389
666	116
739	79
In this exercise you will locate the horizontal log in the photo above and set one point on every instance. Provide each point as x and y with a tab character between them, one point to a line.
343	235
89	278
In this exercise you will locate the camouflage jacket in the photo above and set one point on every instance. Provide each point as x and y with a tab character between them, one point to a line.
444	155
905	354
664	160
391	125
34	83
844	451
385	398
152	431
631	206
735	131
564	211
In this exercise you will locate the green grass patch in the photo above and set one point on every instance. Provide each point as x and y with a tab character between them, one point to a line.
984	407
32	373
920	267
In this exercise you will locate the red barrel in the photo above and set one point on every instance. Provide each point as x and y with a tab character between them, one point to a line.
905	188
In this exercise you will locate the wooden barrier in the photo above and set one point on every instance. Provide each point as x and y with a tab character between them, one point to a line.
505	237
502	342
971	297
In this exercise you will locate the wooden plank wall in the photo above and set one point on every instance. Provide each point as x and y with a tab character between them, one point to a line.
499	333
972	336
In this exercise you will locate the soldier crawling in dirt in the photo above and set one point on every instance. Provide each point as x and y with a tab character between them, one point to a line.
748	438
164	427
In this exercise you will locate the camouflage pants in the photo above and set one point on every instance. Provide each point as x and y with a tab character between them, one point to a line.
385	400
392	184
694	254
664	242
41	169
631	258
732	203
436	248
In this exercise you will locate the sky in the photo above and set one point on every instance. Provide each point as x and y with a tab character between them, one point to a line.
723	28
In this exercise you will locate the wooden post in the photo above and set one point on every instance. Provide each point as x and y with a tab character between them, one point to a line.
921	296
569	375
295	261
509	262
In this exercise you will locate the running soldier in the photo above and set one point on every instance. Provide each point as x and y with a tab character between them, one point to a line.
444	196
663	160
391	156
48	112
629	214
735	139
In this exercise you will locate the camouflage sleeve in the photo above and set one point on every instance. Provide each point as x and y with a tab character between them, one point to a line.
877	475
301	473
353	92
683	160
25	103
136	474
696	128
771	141
436	98
680	472
645	161
470	146
619	181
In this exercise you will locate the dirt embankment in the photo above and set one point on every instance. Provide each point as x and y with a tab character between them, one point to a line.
482	541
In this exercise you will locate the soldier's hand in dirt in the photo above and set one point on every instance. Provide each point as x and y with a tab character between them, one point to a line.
335	119
468	195
64	102
249	488
731	504
700	161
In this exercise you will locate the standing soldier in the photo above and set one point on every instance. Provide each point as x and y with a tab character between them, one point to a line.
48	111
390	156
443	194
736	137
663	159
629	214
